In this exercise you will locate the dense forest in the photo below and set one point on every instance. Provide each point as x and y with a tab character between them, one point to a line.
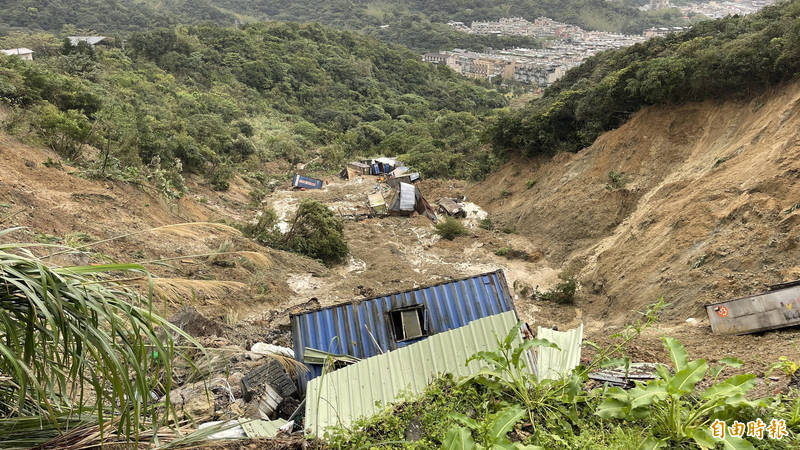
416	24
715	59
208	98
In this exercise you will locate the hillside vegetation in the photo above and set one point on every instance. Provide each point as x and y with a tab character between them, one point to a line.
722	58
206	98
417	24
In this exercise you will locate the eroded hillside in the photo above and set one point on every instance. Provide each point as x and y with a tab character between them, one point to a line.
702	205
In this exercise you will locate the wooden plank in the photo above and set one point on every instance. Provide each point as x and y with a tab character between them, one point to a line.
767	311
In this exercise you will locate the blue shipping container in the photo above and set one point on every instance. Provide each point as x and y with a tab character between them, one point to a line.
365	328
300	181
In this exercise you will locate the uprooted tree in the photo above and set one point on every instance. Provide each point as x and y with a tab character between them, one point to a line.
316	232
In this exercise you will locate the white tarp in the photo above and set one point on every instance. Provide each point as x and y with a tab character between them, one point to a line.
408	197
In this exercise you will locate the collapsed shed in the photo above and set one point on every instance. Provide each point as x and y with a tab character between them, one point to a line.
407	199
452	208
360	390
301	182
367	328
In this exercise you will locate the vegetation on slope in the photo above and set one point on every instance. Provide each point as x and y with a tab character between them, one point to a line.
207	98
417	24
721	58
358	15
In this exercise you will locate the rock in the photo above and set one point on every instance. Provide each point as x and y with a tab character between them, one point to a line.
693	322
414	431
195	324
30	164
235	381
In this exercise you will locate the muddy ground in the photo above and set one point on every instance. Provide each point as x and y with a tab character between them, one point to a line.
718	185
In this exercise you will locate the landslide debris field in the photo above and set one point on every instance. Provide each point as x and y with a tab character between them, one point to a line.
694	203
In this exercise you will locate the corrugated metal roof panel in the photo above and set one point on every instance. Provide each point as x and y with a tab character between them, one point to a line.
554	363
408	198
341	397
364	329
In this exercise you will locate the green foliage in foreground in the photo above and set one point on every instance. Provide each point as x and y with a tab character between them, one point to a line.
504	406
671	408
715	59
75	349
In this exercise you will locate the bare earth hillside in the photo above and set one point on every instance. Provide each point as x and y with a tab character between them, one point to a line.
702	208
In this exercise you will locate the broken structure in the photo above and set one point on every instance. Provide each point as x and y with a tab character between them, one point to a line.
361	389
778	308
370	327
301	182
407	199
452	208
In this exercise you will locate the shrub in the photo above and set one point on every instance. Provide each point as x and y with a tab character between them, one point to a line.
317	233
511	253
450	229
486	224
616	180
563	293
505	193
509	229
529	184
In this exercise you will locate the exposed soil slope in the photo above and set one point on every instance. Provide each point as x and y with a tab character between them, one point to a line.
707	209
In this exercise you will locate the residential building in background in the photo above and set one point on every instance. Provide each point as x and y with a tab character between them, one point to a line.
564	46
24	53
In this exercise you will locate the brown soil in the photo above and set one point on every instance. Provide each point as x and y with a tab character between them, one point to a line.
705	214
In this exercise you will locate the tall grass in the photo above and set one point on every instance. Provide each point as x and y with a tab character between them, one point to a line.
73	348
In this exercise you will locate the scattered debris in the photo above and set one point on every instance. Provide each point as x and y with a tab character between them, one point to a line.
365	328
451	207
271	373
245	428
407	199
377	204
617	376
693	322
554	363
301	182
767	311
262	348
360	389
314	356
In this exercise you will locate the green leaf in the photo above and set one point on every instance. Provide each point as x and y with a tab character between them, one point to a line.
651	443
611	408
503	421
663	372
685	379
458	438
735	385
646	395
676	352
466	421
703	438
732	362
735	443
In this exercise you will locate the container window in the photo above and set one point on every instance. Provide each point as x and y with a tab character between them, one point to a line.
408	323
